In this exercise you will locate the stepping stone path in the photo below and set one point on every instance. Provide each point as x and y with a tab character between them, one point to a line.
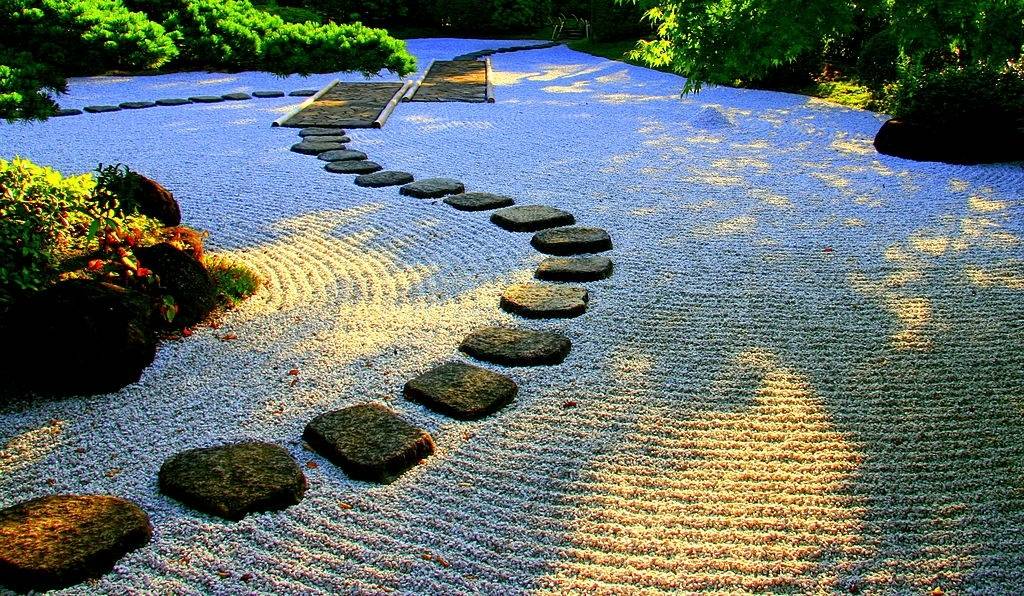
315	147
530	218
368	442
574	269
433	188
303	93
353	167
462	391
341	155
137	105
544	301
206	99
57	541
267	94
320	132
66	112
516	347
478	201
173	101
233	480
571	241
328	139
236	96
101	109
384	178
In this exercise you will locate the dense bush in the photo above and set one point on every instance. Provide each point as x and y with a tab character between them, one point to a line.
953	96
304	48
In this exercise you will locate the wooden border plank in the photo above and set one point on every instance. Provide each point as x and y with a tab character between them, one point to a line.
416	86
382	118
489	80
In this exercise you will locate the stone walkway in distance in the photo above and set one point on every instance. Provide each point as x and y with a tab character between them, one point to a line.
454	80
349	105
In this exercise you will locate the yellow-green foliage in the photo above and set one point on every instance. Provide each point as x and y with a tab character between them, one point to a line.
234	281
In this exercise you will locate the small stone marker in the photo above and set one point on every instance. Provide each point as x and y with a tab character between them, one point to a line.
206	98
66	112
340	154
137	105
58	541
318	131
172	101
433	188
101	109
315	147
384	178
478	201
544	301
574	269
353	167
516	347
267	94
530	218
236	96
462	391
571	241
233	480
303	93
368	442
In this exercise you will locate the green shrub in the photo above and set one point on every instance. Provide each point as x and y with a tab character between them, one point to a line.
26	85
234	281
291	14
953	96
306	48
220	33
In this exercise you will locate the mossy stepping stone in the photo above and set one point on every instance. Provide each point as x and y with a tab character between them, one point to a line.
384	178
340	154
433	188
101	109
328	139
172	101
232	480
530	218
236	96
516	347
315	147
353	167
571	241
304	92
478	201
58	541
317	131
206	98
137	105
66	112
462	391
544	301
368	442
574	268
267	94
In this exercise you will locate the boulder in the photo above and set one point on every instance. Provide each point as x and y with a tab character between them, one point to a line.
156	201
966	143
184	278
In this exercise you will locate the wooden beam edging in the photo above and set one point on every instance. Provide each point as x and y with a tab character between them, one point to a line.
388	109
416	86
489	93
309	100
412	96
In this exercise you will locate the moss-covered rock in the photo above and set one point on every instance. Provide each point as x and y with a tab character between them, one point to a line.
184	278
516	347
462	390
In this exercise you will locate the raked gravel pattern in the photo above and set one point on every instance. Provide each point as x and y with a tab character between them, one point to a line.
805	374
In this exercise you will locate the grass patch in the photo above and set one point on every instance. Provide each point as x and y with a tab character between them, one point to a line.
234	281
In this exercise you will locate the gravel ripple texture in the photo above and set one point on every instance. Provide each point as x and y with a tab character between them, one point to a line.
805	375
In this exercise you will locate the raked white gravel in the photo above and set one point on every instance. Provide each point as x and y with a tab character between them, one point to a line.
806	374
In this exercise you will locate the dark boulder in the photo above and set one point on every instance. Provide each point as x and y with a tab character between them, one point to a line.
184	278
969	142
156	201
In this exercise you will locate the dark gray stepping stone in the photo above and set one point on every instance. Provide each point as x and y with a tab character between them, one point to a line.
267	94
66	112
462	391
137	105
545	301
433	188
368	442
571	241
516	347
173	101
233	480
101	109
478	201
340	155
384	178
206	98
304	92
236	96
574	269
530	218
58	541
315	147
318	131
353	167
327	139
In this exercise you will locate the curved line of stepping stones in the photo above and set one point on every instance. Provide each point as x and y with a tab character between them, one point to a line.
484	53
181	101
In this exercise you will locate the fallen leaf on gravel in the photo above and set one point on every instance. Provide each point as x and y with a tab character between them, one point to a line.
437	559
112	472
938	592
569	404
294	382
224	573
246	577
186	332
229	337
80	450
294	372
827	249
51	481
344	505
312	465
214	325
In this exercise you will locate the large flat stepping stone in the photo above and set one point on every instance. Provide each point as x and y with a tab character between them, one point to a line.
66	112
319	131
368	442
267	94
303	93
384	178
341	155
478	201
137	105
574	269
433	188
462	391
530	218
315	147
571	241
206	98
173	101
328	139
516	347
545	301
233	480
236	96
58	541
101	109
353	167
